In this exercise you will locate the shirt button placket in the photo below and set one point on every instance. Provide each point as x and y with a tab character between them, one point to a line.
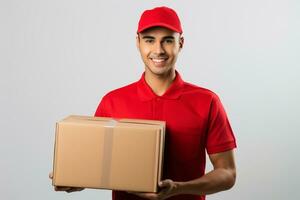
158	108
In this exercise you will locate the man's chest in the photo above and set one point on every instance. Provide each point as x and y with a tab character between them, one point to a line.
184	120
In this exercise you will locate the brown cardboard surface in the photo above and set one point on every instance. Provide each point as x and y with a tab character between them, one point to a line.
96	152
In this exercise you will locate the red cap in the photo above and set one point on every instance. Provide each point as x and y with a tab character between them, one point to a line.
160	16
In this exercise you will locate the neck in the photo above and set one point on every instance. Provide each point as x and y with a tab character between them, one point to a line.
159	83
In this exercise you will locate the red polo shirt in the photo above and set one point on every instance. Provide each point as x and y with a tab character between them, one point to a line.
195	121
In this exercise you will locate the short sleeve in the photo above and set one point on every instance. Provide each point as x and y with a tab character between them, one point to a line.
103	109
220	136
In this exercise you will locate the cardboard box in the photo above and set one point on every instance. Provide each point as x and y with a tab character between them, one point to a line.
96	152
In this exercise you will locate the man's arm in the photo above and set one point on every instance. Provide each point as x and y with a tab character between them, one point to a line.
222	177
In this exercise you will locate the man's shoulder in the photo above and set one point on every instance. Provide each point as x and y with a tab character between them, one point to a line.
123	91
195	90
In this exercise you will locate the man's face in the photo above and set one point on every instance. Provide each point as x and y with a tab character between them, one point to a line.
159	48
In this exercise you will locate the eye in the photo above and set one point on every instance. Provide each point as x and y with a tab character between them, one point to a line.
149	41
169	41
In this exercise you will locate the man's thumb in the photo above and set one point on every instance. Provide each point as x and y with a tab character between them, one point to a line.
51	175
165	183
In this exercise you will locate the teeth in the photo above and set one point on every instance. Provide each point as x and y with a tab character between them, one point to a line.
158	60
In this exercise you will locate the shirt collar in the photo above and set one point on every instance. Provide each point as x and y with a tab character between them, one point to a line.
173	92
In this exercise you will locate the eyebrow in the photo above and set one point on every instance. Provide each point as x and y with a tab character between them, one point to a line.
151	37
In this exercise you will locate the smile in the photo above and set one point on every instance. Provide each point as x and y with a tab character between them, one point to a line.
160	60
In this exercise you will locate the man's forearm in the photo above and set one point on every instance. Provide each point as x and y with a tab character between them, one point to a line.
215	181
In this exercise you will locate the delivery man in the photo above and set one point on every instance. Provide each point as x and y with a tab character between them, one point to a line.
196	121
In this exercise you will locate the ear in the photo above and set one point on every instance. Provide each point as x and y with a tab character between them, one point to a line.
181	42
137	41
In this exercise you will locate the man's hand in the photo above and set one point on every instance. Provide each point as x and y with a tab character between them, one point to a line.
168	188
66	189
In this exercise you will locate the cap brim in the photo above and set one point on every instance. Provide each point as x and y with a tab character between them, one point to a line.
158	24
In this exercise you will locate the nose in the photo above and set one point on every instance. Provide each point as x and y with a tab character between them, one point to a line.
159	48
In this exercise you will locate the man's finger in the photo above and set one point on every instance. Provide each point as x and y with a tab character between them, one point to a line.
68	189
74	190
60	188
51	175
165	183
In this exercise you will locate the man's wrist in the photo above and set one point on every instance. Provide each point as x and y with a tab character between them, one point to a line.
187	187
179	188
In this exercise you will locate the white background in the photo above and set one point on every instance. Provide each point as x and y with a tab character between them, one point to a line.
60	57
